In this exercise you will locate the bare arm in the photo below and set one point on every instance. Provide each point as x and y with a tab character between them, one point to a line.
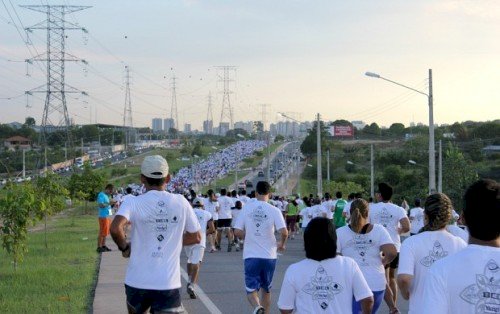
405	225
284	237
389	251
191	238
404	283
367	305
117	231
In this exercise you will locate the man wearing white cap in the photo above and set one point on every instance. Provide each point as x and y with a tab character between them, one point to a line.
161	223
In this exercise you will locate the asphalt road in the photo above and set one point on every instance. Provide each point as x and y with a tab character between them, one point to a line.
222	281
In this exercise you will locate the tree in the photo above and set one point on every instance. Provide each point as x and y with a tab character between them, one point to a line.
308	146
458	174
234	133
487	130
279	138
460	131
372	129
86	185
52	196
17	211
197	150
397	129
345	187
30	121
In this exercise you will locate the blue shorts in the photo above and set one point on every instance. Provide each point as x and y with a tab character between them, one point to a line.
378	296
259	274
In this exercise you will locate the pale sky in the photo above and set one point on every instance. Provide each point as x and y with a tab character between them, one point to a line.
301	57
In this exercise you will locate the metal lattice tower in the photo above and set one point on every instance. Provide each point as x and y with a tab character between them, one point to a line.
55	111
127	109
173	107
226	80
210	115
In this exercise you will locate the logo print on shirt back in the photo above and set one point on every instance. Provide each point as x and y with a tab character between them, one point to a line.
436	253
485	293
322	288
384	218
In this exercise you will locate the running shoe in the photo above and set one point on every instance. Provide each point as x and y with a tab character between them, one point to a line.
190	291
106	249
259	310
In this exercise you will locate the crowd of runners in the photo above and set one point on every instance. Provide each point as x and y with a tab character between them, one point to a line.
355	257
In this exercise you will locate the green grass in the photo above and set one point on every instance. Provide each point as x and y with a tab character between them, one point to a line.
58	279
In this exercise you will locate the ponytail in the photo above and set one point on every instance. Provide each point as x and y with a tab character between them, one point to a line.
359	209
438	208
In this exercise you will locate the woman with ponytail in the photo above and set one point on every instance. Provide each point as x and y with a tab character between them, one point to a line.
364	242
419	252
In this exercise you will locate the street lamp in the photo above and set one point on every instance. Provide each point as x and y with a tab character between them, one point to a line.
237	162
430	98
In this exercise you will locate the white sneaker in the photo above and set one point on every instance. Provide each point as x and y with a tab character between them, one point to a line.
259	310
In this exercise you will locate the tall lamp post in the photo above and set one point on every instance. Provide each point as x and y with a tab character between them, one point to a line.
430	98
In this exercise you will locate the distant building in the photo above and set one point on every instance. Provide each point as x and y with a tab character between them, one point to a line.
17	142
223	128
359	125
208	127
247	126
168	124
491	149
187	128
157	125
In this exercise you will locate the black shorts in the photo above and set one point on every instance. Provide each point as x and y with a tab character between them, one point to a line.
394	264
156	300
224	223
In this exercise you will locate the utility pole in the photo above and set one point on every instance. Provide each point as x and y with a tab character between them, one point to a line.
268	138
318	153
55	110
24	163
372	173
45	168
440	166
328	165
127	110
226	80
432	146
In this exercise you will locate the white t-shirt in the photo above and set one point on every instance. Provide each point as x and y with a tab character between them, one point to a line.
244	199
417	219
158	222
305	213
235	213
317	211
388	215
417	255
463	283
329	208
203	218
347	209
325	287
458	232
365	250
212	208
259	220
225	203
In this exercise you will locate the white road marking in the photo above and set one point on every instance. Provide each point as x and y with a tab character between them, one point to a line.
212	308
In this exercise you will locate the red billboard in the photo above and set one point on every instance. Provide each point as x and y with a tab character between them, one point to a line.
341	130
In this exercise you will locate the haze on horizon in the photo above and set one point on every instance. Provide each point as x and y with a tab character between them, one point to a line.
300	57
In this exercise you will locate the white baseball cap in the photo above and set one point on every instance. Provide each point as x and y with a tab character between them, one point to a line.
155	167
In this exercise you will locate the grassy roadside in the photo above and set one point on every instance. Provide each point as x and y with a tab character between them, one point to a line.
58	279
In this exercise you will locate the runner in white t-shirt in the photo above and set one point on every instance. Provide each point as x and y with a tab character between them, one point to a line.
416	218
225	218
419	252
324	282
469	281
395	220
364	242
212	206
195	252
256	224
161	223
329	206
458	232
